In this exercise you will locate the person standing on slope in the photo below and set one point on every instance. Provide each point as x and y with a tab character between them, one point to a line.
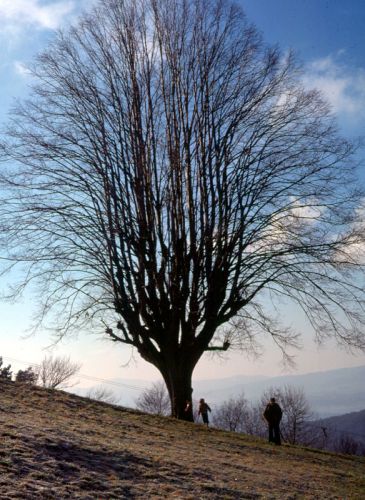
203	411
272	415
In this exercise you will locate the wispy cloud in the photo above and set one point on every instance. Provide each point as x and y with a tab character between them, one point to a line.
21	69
355	249
342	85
15	14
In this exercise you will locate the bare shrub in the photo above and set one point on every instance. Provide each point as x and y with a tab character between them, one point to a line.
231	415
254	421
57	372
102	394
155	400
347	445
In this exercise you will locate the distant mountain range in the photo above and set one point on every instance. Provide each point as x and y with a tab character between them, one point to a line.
350	425
329	393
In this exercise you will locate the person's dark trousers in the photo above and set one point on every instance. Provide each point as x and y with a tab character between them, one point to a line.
274	434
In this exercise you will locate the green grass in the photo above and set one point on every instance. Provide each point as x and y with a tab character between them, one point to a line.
54	445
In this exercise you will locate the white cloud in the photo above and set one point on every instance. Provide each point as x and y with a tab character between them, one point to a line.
21	69
17	13
343	86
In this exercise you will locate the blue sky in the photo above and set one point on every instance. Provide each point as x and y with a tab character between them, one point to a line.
328	37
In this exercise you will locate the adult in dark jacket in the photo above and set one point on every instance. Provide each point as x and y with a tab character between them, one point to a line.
272	415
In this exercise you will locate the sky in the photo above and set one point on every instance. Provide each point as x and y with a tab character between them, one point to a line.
328	38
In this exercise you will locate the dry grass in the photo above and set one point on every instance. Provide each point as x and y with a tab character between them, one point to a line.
58	446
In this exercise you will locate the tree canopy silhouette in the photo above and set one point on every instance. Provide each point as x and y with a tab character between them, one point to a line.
168	172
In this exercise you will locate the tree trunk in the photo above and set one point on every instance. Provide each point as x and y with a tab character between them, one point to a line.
177	377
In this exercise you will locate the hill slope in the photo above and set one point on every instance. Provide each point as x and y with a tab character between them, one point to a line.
59	446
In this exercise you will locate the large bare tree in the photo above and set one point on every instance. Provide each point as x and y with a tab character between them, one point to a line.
168	174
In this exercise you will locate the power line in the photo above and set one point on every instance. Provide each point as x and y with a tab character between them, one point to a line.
84	376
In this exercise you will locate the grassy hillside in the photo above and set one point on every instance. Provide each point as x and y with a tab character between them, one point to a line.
57	446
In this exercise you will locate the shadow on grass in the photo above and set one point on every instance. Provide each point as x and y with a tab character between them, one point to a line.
72	458
68	467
